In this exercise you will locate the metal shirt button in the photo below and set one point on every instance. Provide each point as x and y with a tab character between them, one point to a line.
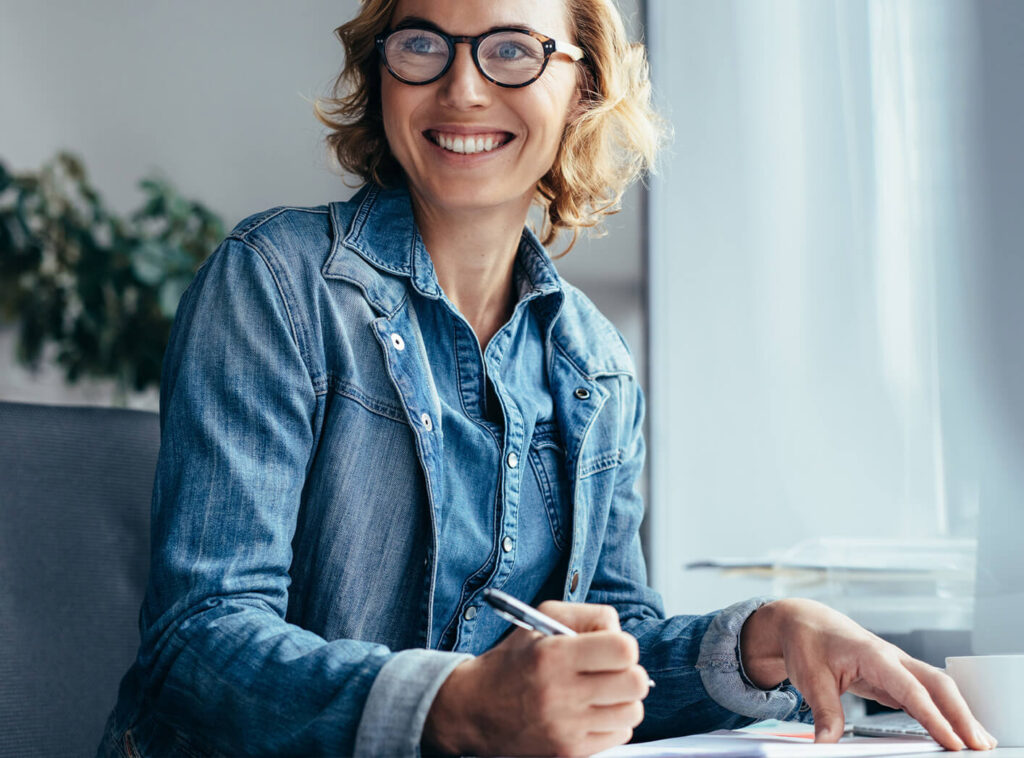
397	341
470	613
582	393
506	544
513	460
427	423
575	581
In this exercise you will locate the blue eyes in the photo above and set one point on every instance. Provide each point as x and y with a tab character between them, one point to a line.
421	46
504	51
509	51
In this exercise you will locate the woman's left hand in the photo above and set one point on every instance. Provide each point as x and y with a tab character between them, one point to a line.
824	654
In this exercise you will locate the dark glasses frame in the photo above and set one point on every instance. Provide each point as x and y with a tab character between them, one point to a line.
549	44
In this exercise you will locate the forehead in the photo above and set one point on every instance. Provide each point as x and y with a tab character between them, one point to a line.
472	17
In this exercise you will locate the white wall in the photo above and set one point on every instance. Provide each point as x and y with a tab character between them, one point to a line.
806	240
215	96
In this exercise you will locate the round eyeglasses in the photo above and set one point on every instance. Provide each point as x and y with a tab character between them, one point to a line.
506	57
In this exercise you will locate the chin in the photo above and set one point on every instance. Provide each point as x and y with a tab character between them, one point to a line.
472	195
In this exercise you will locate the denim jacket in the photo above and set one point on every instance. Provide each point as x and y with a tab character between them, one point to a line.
299	492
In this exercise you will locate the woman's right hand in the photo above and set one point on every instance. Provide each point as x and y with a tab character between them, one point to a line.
536	695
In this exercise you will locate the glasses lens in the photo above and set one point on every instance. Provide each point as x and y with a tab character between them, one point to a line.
416	55
511	57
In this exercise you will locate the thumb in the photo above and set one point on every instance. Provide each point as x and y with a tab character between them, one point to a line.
582	617
822	694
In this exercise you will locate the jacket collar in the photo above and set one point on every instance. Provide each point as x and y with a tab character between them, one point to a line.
382	233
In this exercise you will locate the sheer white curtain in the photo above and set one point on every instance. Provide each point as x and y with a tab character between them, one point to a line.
807	287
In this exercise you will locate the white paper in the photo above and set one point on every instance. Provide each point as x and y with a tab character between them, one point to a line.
736	744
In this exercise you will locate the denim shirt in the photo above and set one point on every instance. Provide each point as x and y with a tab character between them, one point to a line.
504	495
300	501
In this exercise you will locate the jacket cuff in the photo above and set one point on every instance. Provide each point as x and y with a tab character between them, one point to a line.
401	695
721	669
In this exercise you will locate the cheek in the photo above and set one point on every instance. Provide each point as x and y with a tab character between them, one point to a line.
397	104
552	107
390	106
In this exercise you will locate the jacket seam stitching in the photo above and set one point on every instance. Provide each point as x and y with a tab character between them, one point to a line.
280	292
603	463
541	474
261	220
374	406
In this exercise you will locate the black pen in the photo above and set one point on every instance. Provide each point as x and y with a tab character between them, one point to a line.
527	617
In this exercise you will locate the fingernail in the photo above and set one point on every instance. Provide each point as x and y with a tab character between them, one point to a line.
982	736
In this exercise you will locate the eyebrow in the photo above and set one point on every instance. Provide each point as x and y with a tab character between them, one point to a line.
419	21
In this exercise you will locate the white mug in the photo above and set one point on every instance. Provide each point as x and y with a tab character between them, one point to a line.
993	686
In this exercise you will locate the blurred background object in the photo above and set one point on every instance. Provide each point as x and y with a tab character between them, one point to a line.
92	291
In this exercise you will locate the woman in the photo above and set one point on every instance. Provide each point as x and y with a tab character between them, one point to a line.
374	410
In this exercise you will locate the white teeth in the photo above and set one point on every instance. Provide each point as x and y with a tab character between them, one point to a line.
466	145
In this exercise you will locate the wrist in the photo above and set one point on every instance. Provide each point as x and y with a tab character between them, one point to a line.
447	728
761	646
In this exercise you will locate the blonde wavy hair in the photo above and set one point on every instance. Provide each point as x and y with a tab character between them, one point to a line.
612	141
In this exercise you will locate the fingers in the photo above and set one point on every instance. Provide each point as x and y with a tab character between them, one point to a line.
826	653
605	689
916	701
869	692
822	693
617	723
595	742
943	691
583	617
619	716
599	651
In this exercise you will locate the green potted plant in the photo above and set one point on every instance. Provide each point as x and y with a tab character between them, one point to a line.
101	288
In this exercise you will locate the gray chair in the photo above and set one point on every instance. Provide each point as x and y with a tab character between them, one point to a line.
75	486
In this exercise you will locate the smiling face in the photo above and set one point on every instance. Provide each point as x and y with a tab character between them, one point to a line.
465	142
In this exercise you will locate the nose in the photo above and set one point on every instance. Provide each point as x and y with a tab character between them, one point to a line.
463	86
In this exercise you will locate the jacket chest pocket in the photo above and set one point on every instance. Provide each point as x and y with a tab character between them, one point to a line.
547	459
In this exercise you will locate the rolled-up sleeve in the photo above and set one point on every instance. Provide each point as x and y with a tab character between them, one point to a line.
721	669
396	710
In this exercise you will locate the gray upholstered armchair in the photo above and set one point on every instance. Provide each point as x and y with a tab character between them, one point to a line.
75	486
